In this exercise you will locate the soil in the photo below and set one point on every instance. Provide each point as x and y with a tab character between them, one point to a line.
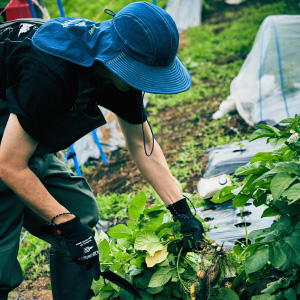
120	174
34	287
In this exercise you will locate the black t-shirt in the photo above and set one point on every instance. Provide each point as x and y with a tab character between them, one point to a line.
39	87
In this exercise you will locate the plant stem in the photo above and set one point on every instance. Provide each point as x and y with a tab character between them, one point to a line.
133	256
178	273
246	234
289	145
190	263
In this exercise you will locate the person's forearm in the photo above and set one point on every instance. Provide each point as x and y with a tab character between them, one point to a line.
155	169
31	191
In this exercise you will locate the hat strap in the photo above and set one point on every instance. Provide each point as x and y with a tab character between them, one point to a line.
143	109
109	12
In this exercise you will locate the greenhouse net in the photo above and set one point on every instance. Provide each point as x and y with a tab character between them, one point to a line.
267	88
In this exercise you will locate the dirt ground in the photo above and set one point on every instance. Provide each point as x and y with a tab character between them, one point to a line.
120	173
37	288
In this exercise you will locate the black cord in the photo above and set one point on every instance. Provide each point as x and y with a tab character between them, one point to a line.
143	109
180	215
109	12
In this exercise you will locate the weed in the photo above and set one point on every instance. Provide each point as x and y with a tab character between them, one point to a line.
29	252
113	206
93	11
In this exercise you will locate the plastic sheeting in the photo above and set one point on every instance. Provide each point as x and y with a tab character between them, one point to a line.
234	2
230	224
110	136
41	10
267	87
186	13
225	159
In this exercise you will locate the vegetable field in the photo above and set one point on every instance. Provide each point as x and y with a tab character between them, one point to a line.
141	242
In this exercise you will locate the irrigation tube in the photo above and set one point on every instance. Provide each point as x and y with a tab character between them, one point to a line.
20	11
76	164
23	237
33	14
61	9
102	154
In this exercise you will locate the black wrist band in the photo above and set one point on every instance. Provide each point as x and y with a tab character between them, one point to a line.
181	209
52	220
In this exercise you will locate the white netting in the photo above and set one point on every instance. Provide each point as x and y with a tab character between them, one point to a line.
185	13
267	87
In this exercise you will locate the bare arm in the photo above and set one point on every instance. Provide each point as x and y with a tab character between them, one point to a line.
15	151
153	168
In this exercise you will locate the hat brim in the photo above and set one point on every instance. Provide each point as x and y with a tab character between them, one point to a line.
171	79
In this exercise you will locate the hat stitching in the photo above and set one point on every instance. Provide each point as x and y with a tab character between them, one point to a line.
150	35
140	21
167	23
133	48
116	58
125	42
181	85
123	57
182	82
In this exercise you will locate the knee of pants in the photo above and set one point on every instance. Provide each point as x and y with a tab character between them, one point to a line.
68	279
10	275
3	295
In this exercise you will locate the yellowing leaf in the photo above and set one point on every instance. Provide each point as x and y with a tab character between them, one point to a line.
148	240
157	258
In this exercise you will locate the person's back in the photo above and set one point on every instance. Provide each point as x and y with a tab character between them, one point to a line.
40	89
15	41
28	78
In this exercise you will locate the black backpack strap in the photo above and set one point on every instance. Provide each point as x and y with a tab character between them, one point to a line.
84	89
18	21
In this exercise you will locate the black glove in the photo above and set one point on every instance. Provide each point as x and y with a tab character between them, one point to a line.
81	245
189	223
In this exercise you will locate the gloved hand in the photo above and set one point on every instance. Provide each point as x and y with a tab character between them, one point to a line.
189	223
81	245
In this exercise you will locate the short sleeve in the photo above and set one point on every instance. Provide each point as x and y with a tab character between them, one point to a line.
39	92
127	105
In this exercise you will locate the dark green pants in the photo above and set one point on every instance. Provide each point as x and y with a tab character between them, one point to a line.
71	191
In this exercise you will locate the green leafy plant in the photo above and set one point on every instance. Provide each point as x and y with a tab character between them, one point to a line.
148	252
113	206
30	252
273	180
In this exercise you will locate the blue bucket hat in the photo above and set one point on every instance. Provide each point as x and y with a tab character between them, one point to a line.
139	44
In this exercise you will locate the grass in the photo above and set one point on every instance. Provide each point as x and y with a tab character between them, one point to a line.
29	253
93	11
113	206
